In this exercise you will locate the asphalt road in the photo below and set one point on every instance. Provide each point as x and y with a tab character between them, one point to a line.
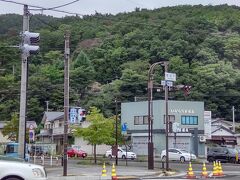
231	171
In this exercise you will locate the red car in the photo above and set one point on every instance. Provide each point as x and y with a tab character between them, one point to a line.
72	152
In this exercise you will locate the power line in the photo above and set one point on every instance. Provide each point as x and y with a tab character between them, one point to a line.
42	8
52	8
63	5
106	18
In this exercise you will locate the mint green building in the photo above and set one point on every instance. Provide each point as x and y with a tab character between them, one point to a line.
186	126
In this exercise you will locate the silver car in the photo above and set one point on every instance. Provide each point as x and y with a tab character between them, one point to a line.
178	155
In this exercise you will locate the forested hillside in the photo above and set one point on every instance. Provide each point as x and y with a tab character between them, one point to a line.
111	55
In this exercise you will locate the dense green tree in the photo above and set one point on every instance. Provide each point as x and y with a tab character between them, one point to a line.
115	51
100	130
82	74
11	128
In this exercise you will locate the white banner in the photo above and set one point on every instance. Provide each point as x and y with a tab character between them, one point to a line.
76	115
208	124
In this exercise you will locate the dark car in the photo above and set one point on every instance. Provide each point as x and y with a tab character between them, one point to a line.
223	154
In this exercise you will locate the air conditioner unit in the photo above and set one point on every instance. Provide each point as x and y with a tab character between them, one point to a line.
202	138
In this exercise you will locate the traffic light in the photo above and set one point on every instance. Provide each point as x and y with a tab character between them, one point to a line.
29	43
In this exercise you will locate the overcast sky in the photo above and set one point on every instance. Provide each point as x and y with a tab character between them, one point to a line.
103	6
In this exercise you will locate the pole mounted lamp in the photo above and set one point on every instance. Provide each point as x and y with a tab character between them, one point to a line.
150	112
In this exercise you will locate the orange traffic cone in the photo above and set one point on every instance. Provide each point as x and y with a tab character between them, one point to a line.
190	173
220	171
204	171
104	171
114	175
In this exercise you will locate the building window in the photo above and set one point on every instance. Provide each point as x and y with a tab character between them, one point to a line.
189	120
140	120
145	119
171	118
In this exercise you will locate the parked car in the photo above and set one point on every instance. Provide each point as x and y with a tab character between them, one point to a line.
73	152
178	155
121	154
223	154
17	169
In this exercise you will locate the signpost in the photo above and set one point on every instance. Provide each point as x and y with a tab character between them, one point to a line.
124	132
169	78
31	133
124	128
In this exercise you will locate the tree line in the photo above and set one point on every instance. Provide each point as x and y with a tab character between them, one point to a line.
111	56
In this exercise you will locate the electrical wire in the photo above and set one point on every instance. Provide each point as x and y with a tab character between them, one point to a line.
42	8
57	6
62	5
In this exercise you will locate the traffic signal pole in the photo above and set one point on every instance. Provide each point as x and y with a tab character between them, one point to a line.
23	100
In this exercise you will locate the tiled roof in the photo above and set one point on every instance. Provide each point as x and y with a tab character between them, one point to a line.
51	116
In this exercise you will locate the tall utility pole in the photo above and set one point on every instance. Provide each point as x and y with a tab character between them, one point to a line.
23	101
167	120
66	100
116	131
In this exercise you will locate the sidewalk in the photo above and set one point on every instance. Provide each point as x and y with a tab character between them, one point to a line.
94	172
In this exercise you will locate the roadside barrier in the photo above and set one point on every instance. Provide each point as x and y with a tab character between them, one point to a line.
204	171
104	171
190	173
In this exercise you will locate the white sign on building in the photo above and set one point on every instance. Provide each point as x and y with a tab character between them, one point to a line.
207	124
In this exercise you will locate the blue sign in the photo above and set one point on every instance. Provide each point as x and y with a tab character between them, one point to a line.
124	127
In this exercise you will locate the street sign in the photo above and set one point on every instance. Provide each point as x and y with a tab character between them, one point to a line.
124	127
175	127
170	76
31	135
169	83
31	127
